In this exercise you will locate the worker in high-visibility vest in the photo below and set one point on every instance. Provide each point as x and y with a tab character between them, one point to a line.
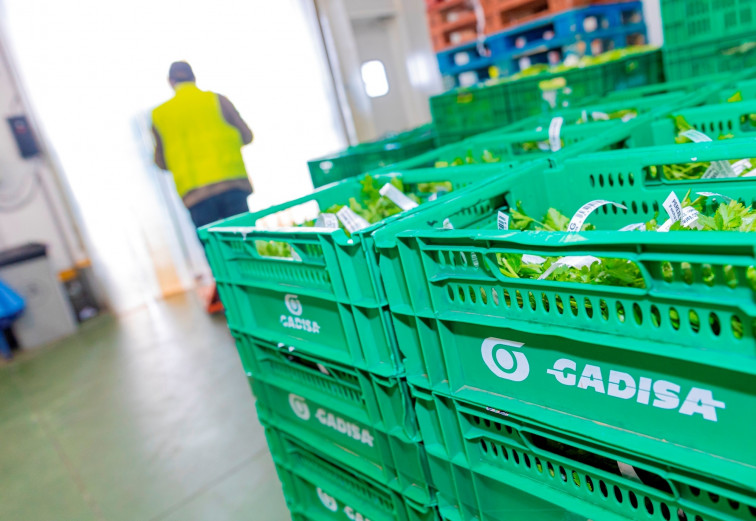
198	138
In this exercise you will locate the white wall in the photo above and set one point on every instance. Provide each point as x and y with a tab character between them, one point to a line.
34	205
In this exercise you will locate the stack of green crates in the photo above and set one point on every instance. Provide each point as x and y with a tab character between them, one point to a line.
364	157
468	111
708	36
400	375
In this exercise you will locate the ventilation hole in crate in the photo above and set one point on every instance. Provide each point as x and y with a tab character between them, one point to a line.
526	459
507	299
461	294
637	314
484	445
589	483
674	318
707	274
576	478
649	506
473	296
483	296
504	453
602	488
588	305
655	316
464	258
550	468
733	504
516	457
631	178
687	272
752	511
681	516
667	271
497	426
644	207
538	465
715	324
695	322
737	327
621	179
620	312
610	178
604	309
532	300
698	518
731	276
559	304
493	448
714	497
656	206
633	499
592	180
487	422
604	209
751	277
573	306
614	209
634	207
562	474
601	180
695	491
545	302
665	511
518	297
618	494
495	297
509	429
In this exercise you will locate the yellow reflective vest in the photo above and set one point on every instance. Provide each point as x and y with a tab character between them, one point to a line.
199	145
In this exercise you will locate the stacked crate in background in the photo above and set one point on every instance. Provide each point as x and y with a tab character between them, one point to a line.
708	36
513	36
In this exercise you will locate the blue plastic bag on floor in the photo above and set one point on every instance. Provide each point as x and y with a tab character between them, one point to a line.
11	305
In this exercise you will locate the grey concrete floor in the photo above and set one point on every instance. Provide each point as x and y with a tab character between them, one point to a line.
147	417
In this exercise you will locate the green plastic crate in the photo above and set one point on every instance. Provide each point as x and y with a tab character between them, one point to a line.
361	158
469	111
329	301
634	71
447	296
317	488
721	55
493	466
359	420
689	22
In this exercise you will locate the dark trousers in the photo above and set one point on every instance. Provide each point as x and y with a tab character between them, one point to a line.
221	206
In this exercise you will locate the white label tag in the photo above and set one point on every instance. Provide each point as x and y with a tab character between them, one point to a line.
600	116
627	117
752	173
555	129
578	261
502	221
666	226
689	217
433	196
695	136
327	220
351	221
714	194
397	197
543	145
719	169
447	225
633	227
474	258
741	166
673	207
578	220
532	259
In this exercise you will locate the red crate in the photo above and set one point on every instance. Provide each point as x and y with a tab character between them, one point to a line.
451	23
503	14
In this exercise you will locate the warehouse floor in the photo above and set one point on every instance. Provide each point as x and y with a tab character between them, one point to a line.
144	418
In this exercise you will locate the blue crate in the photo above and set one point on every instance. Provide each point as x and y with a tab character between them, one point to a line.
449	61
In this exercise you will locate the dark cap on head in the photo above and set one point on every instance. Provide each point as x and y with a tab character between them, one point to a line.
180	71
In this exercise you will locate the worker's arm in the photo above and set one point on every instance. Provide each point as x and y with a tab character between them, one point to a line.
231	115
159	155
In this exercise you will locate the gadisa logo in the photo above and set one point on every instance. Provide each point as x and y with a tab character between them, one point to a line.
510	365
293	304
299	406
328	501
